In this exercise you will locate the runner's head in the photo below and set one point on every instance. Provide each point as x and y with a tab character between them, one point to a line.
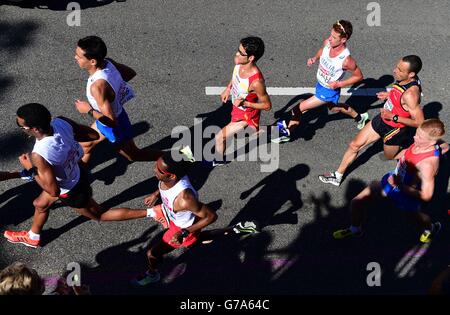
250	50
91	52
429	132
408	68
340	33
167	169
34	117
18	279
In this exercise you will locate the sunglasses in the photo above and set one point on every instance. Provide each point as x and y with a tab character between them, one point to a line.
163	172
242	54
22	127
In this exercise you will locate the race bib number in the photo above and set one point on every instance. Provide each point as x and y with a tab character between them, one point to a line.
126	93
388	105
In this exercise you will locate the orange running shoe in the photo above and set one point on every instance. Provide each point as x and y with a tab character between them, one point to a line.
21	237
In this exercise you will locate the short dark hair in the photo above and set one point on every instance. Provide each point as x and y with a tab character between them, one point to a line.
415	63
254	46
94	48
35	115
344	28
178	168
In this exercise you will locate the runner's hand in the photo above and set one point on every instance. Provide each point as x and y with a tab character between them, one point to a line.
382	95
311	61
225	95
177	239
151	199
82	106
334	84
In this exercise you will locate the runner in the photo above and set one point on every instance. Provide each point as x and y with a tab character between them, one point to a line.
54	165
107	91
411	183
181	213
334	60
248	94
401	111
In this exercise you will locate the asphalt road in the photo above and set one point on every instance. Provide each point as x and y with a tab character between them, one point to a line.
178	48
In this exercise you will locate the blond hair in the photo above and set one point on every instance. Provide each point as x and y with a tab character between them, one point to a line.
434	128
18	279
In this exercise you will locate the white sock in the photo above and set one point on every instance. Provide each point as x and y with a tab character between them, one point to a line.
355	229
34	236
338	175
151	213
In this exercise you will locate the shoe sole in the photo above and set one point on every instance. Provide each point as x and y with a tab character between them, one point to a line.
280	141
327	182
23	243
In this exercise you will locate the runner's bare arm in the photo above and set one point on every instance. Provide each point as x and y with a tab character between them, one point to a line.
427	170
187	201
126	72
411	101
45	176
259	88
350	65
103	94
226	93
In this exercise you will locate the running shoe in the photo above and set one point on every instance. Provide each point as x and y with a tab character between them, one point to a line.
363	121
146	278
20	237
285	134
187	152
330	178
245	227
344	233
428	235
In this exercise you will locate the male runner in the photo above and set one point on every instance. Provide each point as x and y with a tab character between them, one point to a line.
181	213
107	91
334	60
411	183
54	165
401	111
248	93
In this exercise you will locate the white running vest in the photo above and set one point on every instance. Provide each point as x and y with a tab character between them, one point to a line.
182	219
330	69
62	152
122	90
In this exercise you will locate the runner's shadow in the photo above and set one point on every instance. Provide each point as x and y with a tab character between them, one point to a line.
279	191
323	265
18	205
432	109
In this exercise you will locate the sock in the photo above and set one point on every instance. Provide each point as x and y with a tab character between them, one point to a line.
150	213
338	175
34	236
358	118
355	229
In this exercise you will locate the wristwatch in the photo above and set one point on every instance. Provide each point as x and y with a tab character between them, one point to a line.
395	118
185	233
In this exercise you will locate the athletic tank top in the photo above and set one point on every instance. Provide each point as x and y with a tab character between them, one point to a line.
406	167
122	90
394	104
62	152
240	87
330	69
182	219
